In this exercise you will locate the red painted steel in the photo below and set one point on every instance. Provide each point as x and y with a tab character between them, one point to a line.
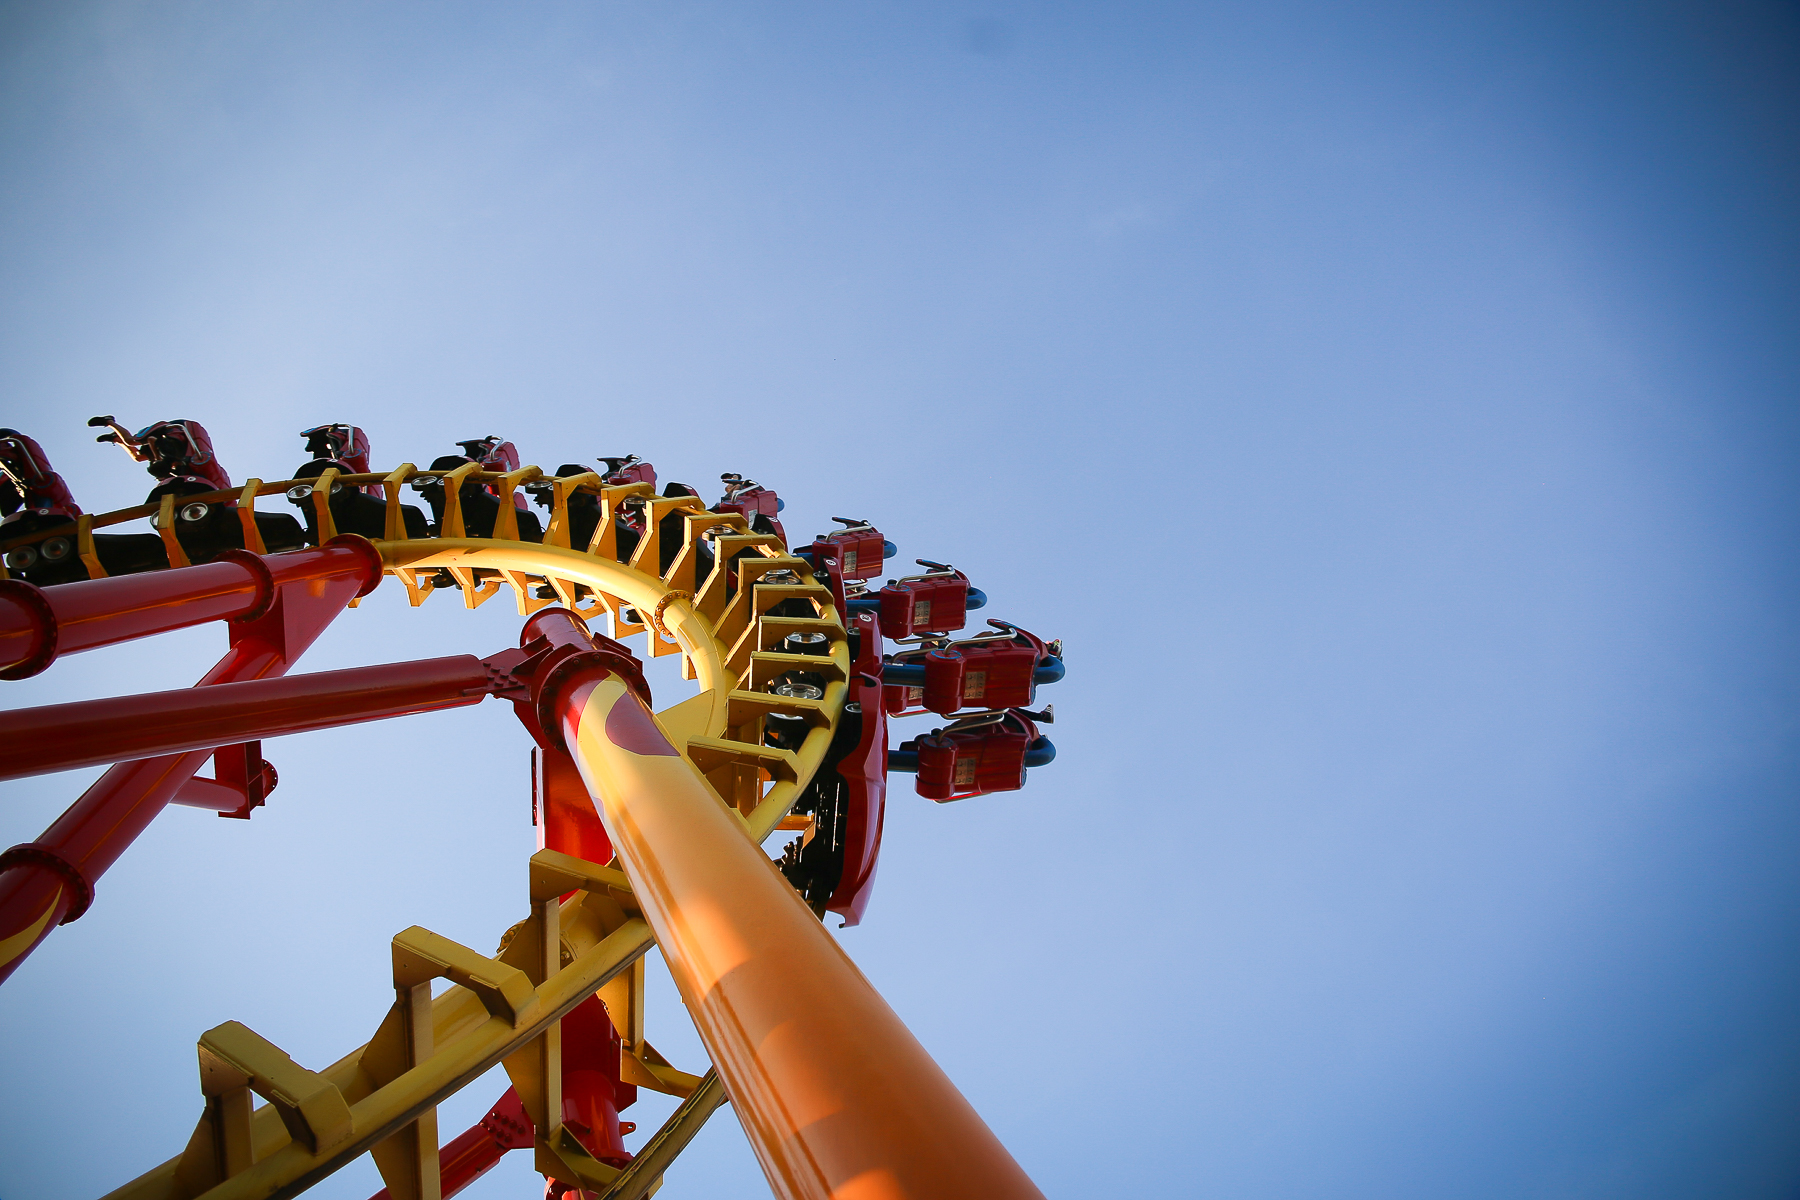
242	780
564	811
51	881
864	771
470	1155
27	629
237	585
61	737
592	1093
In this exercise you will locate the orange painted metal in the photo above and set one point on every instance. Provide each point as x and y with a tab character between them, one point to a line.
837	1097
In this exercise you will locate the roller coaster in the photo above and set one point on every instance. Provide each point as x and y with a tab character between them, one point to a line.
651	822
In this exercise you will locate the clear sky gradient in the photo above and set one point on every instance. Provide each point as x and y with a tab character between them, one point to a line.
1392	406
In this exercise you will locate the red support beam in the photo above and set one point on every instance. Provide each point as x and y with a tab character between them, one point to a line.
51	881
61	737
466	1158
38	625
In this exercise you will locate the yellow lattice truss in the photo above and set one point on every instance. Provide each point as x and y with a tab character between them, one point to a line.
381	1098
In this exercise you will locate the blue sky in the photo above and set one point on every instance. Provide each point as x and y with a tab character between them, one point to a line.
1392	407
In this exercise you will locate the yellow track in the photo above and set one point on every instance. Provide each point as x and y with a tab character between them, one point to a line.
504	1009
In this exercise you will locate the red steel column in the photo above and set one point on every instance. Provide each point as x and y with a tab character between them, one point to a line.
51	881
837	1097
38	625
61	737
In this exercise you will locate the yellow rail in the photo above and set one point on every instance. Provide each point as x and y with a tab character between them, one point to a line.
505	1008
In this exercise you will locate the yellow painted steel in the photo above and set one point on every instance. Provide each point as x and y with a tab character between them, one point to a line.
17	944
381	1098
640	1178
317	1122
521	564
837	1097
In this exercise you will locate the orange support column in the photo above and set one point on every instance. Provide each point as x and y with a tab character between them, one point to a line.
837	1097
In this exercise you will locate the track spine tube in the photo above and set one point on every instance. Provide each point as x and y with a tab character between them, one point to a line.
796	1032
